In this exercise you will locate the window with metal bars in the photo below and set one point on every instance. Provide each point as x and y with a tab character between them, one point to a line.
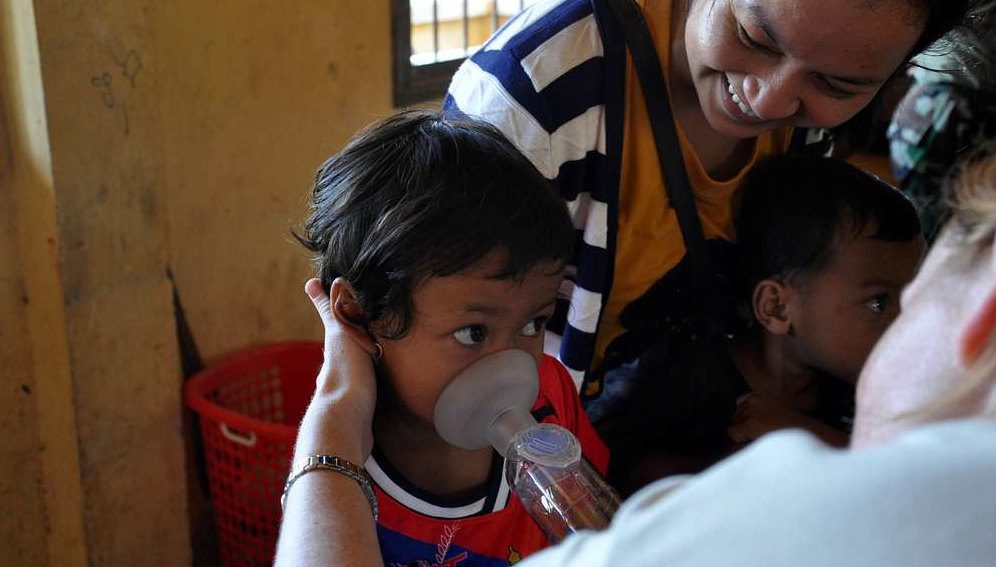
432	37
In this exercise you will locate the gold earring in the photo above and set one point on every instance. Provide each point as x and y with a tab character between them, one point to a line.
378	351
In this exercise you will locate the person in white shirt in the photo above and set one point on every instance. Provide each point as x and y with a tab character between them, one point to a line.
918	485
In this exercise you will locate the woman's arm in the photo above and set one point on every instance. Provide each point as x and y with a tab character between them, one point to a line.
327	520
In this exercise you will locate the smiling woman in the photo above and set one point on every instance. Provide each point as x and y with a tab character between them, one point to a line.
758	66
745	79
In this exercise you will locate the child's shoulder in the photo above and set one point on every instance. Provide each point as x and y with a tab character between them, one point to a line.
558	402
558	399
554	375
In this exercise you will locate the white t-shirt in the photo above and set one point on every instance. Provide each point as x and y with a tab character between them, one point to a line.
925	499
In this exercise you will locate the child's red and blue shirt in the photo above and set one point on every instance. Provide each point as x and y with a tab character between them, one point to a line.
490	528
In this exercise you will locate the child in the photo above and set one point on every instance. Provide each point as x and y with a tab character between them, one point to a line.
824	251
453	247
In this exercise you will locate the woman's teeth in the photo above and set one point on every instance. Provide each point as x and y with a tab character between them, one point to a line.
738	101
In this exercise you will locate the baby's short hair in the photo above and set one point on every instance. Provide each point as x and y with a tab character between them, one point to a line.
796	211
417	196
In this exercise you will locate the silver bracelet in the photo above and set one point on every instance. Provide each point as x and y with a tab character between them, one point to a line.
334	464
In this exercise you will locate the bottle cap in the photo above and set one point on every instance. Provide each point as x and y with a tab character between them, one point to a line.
549	444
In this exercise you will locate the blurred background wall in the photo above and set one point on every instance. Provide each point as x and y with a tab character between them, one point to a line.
148	148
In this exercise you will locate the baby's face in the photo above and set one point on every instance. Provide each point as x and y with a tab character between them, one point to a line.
462	318
841	313
918	361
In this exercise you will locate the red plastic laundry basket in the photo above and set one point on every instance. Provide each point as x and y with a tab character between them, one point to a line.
249	407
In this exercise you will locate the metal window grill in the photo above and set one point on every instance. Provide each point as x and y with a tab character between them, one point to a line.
442	30
432	37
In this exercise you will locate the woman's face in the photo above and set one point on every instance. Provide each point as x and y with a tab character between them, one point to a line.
917	362
764	64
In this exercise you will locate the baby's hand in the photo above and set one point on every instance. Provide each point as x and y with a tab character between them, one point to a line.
758	414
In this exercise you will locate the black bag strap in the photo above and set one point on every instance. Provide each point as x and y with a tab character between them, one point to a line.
679	188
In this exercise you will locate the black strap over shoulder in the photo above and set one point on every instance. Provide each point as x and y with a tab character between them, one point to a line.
679	188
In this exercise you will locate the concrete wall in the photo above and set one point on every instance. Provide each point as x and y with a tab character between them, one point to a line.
138	137
257	93
41	518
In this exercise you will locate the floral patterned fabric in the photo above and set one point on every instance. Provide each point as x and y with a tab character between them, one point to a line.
935	126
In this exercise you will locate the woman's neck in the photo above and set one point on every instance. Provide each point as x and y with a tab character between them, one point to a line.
418	453
764	364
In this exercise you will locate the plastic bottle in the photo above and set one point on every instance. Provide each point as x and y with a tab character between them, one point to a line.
488	404
559	488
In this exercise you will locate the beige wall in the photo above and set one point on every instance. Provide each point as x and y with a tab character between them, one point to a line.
40	486
257	94
140	136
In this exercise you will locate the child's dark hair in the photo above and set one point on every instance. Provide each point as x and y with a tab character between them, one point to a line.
418	196
796	211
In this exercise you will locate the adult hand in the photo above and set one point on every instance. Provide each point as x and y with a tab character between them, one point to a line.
340	415
327	520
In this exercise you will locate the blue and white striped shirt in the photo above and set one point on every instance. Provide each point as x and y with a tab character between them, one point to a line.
553	80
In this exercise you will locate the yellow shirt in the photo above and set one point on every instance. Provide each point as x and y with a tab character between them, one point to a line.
648	240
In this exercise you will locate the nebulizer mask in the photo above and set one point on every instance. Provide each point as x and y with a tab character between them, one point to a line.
489	404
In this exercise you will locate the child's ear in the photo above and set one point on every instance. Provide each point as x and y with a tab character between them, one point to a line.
979	332
770	303
348	312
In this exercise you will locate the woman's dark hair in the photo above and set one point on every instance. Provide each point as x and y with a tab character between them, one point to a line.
418	196
942	17
796	211
972	47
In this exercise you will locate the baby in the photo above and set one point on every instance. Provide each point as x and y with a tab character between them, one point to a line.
824	251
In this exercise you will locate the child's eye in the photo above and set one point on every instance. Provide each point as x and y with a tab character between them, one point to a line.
879	303
471	335
534	327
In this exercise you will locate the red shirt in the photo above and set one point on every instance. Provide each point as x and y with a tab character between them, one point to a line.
490	528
